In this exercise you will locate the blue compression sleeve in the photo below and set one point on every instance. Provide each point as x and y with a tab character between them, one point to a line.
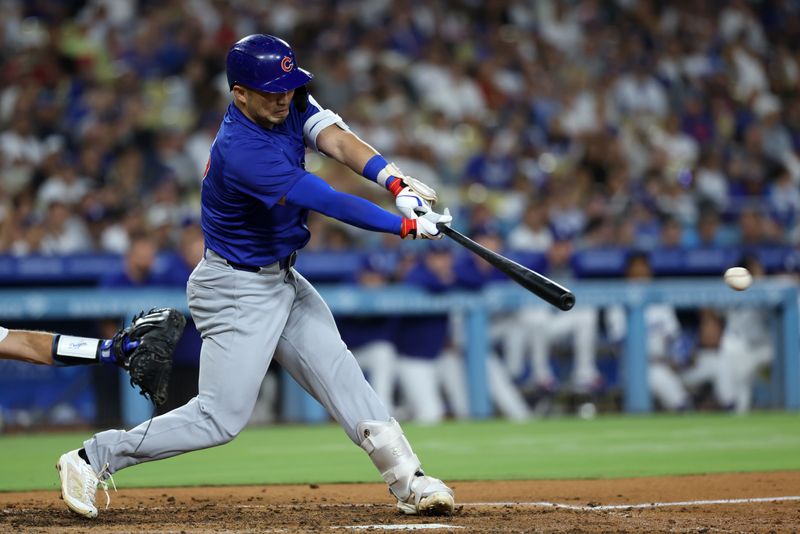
313	193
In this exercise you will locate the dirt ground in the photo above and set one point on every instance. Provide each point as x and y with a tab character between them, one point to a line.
509	506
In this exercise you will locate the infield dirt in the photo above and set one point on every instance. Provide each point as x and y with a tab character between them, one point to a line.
481	508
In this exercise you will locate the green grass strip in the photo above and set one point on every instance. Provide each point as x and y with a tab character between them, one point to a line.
559	448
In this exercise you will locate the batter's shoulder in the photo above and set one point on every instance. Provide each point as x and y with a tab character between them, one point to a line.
253	154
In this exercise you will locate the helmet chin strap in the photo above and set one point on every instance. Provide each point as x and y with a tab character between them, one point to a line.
300	98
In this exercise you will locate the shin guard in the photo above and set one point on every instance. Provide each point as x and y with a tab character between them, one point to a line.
391	453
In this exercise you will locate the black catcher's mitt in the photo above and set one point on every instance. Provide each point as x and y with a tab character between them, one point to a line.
150	363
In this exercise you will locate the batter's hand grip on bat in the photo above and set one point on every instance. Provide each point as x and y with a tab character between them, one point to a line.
541	286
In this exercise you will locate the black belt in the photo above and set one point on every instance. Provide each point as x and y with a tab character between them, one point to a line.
285	264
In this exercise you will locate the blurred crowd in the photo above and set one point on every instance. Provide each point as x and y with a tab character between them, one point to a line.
568	124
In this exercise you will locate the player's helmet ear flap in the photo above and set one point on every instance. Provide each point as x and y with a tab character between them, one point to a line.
264	63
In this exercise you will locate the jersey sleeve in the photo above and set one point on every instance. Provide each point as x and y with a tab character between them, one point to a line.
313	193
316	119
264	173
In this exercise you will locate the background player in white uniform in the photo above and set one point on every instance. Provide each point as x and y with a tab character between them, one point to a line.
746	347
249	303
543	327
732	364
663	328
475	273
526	336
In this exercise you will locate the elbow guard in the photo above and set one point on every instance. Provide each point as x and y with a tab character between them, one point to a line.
318	122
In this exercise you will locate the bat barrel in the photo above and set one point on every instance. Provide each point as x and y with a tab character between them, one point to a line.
541	286
567	301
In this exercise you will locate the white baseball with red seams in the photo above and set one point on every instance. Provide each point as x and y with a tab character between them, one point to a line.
738	278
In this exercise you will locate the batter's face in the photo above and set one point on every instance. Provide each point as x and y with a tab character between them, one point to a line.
265	109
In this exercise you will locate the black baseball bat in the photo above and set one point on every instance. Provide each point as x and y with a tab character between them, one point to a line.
541	286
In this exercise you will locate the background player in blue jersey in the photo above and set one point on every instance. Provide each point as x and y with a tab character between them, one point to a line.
249	303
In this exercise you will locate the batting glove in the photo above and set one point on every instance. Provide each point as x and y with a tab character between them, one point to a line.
411	196
424	226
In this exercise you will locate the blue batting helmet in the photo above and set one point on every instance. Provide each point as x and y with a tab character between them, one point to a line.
264	63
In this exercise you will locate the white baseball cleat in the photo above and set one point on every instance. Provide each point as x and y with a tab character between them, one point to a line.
79	484
429	496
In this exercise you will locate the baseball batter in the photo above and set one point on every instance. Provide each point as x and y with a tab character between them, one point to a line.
249	303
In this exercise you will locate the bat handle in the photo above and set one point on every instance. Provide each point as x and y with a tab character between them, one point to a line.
443	228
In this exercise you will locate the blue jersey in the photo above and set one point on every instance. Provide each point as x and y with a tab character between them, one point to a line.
250	169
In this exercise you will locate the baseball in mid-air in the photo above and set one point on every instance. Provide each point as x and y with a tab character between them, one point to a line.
738	278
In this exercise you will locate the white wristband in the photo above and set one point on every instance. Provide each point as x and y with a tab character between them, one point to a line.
390	170
77	347
3	333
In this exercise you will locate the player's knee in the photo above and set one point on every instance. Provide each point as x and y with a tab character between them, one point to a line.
225	424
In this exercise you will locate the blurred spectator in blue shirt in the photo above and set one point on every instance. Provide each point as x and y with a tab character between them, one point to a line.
137	266
532	234
494	166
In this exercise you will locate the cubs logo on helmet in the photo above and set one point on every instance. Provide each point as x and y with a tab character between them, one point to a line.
265	63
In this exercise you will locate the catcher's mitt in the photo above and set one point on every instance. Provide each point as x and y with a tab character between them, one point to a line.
154	335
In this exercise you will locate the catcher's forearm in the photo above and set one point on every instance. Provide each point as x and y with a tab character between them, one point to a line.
73	350
26	346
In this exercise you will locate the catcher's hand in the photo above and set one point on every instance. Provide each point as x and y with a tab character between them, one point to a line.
145	350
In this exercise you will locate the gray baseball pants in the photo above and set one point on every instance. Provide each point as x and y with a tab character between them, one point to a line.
245	318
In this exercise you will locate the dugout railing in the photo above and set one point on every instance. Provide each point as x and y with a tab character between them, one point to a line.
779	295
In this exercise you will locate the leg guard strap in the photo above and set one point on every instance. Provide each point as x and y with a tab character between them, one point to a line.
391	453
372	440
